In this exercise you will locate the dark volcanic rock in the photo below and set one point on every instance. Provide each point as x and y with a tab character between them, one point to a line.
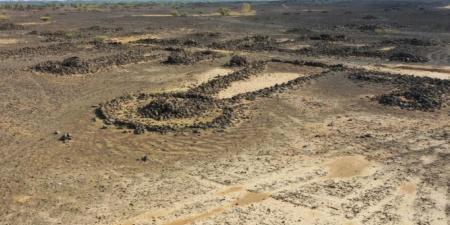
370	27
70	65
172	107
411	41
418	97
75	65
407	57
416	93
186	57
252	43
237	60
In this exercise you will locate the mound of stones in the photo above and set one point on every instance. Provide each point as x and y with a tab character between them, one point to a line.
75	65
170	107
417	97
70	65
407	57
414	93
186	57
237	61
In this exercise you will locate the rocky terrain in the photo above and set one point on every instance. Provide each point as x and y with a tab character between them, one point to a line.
225	113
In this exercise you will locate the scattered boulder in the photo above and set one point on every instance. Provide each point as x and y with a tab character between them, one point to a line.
144	158
66	137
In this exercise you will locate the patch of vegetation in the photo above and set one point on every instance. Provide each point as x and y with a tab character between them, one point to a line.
178	13
224	11
246	8
4	17
101	38
71	34
46	18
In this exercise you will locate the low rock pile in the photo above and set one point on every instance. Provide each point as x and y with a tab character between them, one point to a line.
170	107
407	57
414	93
237	61
418	97
70	65
186	57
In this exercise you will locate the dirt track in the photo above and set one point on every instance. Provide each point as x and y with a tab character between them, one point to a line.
308	141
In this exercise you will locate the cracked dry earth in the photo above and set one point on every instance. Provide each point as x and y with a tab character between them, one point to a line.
321	152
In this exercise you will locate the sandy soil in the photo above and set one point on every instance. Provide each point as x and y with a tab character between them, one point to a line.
323	151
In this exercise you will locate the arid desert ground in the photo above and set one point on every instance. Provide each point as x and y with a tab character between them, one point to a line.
293	112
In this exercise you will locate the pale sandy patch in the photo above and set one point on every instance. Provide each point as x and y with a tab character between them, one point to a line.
153	15
296	46
353	45
210	74
232	14
257	82
161	35
347	166
439	72
21	199
388	48
445	7
34	23
128	39
8	41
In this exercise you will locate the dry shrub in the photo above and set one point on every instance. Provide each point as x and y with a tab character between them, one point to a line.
246	8
224	11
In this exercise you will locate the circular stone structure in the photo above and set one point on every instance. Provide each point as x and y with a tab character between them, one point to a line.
200	107
167	112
